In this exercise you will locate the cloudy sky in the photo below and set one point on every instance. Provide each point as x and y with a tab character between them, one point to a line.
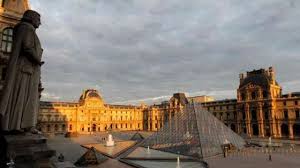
146	50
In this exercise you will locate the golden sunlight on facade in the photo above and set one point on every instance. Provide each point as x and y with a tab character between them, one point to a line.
260	109
89	115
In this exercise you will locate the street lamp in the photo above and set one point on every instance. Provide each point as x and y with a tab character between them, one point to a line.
270	147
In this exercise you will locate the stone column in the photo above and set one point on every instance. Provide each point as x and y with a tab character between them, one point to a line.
274	131
279	130
260	121
248	124
291	133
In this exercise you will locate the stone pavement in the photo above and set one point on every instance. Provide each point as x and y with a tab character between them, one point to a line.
249	158
72	151
264	141
280	159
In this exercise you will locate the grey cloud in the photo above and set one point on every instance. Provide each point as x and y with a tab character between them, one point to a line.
138	50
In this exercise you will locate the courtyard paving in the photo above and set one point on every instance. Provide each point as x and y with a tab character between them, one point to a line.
249	158
258	158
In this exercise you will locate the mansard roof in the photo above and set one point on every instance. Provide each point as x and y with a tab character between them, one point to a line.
257	77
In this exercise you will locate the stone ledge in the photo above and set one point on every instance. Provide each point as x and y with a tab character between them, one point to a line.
29	150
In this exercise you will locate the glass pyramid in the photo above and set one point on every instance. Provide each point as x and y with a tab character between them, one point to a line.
91	157
193	132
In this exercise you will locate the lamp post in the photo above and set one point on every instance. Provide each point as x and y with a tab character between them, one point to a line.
270	147
11	163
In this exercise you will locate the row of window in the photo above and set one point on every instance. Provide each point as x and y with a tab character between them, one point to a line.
221	107
295	103
62	127
254	95
224	115
286	114
253	114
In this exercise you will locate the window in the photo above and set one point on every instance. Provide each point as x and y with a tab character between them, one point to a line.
48	128
265	94
266	114
7	38
253	95
243	96
297	113
286	116
296	102
253	114
284	103
70	127
56	127
3	74
63	127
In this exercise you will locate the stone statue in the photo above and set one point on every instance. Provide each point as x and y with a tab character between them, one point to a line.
20	99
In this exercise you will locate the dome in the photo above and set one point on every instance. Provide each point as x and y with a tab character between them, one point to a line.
93	94
90	93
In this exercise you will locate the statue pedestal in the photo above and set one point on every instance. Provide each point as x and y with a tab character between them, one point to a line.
28	151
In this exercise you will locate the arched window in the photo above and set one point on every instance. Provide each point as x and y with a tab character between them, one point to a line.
7	38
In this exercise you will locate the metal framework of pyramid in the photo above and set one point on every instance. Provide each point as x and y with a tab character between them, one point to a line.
90	157
137	137
193	132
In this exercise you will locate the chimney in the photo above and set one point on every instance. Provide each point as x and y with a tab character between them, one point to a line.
272	75
241	77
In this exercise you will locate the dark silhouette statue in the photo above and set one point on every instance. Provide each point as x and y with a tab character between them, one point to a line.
19	103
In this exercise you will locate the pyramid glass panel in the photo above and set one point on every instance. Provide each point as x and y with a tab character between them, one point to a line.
213	133
194	132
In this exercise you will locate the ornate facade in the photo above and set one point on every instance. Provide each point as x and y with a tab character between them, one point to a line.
10	14
260	109
89	115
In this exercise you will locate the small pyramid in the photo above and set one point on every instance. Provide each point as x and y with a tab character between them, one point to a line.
137	137
91	157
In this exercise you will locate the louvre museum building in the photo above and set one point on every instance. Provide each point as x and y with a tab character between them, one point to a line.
260	110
